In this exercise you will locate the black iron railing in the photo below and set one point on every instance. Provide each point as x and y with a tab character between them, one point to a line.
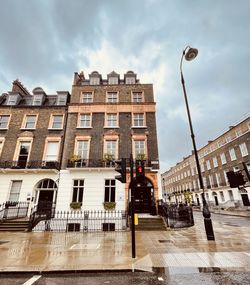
43	211
13	210
34	164
82	163
83	221
178	216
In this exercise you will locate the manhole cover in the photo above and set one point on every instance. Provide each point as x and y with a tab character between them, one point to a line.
165	241
3	241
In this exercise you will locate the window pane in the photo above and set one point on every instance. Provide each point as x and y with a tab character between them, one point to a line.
80	198
112	199
52	151
106	198
74	198
4	121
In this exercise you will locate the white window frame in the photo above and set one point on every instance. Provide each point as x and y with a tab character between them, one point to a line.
139	120
208	164
111	117
37	100
215	161
2	140
25	122
232	154
61	100
17	193
6	123
18	147
243	149
113	80
85	149
85	120
109	187
51	140
87	97
223	158
52	122
112	97
79	188
130	80
108	147
137	97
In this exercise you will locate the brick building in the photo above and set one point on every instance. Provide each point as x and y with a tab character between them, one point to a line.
60	148
107	120
226	153
32	129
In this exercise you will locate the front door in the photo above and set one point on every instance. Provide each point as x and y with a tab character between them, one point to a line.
45	201
142	199
245	199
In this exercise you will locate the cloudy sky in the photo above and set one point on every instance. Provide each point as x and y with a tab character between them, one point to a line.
43	42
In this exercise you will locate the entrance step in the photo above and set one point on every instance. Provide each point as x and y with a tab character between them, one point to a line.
14	225
150	223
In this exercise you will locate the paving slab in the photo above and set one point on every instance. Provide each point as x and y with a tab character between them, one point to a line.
182	250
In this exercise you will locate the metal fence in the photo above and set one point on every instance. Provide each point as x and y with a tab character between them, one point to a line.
178	216
13	210
84	221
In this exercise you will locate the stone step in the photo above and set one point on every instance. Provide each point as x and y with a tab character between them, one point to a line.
14	225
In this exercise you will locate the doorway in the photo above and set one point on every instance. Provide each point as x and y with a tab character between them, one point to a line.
245	199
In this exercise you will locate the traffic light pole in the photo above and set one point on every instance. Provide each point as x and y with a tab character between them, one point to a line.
132	205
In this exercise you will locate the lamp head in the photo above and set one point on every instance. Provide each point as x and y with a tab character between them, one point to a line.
191	54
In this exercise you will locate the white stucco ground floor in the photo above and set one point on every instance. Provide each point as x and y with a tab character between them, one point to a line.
76	189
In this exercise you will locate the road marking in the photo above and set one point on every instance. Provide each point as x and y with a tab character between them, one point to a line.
32	280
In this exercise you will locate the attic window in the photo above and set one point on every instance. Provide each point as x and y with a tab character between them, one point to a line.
130	80
113	80
62	100
37	101
12	100
94	81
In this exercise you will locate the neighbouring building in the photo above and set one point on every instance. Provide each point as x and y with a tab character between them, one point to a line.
32	130
228	152
60	149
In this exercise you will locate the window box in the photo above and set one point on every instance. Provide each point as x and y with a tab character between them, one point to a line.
109	206
75	205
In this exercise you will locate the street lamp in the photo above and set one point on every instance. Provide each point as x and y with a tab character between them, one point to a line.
189	54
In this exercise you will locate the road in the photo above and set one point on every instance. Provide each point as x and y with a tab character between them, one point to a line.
129	278
235	221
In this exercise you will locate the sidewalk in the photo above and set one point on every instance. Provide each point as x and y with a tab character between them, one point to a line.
185	250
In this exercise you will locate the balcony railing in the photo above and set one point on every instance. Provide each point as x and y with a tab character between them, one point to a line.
35	164
84	163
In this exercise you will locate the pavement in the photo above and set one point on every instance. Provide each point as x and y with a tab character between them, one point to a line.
185	251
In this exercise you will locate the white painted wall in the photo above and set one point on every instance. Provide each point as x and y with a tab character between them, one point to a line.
94	184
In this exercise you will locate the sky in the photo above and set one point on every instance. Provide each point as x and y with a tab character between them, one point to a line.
43	42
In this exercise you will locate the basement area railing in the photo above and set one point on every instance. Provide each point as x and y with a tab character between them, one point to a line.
82	221
13	210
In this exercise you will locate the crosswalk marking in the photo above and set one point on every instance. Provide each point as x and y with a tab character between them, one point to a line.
32	280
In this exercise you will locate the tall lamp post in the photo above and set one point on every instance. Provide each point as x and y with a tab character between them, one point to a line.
189	54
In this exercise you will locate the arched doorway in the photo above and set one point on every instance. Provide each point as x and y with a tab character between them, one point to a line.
45	194
144	197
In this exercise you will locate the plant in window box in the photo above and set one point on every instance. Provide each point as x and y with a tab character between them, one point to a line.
108	157
75	158
141	156
109	205
75	205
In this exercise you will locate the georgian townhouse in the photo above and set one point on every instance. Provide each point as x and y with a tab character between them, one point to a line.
108	119
228	152
32	129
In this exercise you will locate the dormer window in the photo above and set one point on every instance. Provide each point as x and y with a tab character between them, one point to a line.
94	81
37	100
13	99
130	80
113	80
61	99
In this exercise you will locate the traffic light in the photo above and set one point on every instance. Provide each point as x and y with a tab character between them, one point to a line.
140	169
235	179
121	168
